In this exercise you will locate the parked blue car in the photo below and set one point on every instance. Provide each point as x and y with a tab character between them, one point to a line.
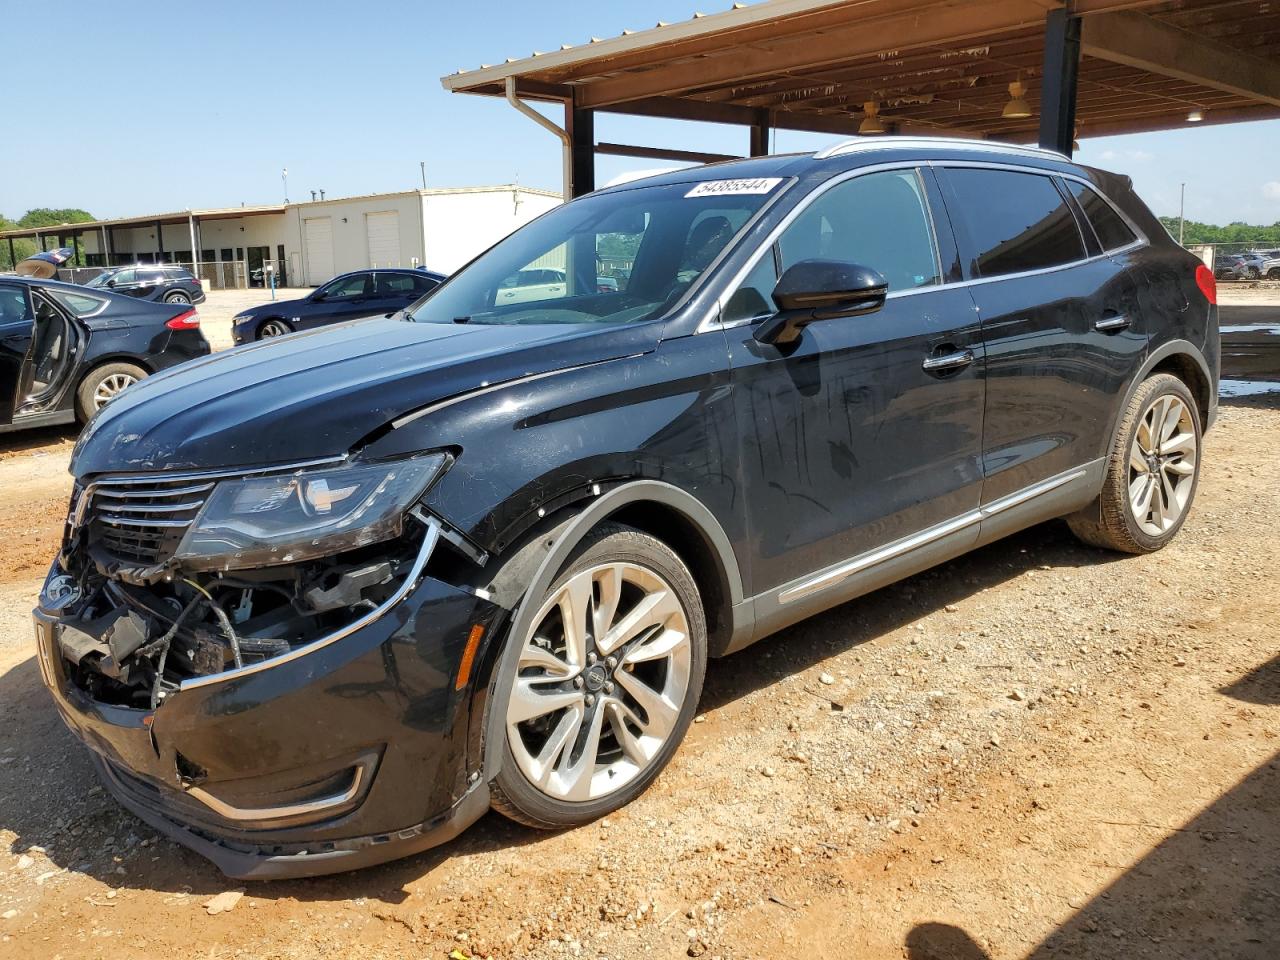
350	296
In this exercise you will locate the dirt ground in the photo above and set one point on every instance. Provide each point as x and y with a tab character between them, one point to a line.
221	305
1035	751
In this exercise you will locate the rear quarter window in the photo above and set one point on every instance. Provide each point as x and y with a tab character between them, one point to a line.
1111	230
1015	221
80	304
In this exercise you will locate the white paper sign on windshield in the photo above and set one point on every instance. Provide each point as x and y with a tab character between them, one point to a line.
723	188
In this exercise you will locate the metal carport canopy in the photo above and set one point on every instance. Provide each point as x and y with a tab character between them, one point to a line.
943	67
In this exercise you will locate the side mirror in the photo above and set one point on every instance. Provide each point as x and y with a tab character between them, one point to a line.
813	290
316	297
111	281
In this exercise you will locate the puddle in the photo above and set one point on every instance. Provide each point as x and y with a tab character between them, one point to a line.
1247	388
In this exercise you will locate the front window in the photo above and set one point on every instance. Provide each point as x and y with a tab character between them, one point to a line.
612	258
119	276
345	288
877	220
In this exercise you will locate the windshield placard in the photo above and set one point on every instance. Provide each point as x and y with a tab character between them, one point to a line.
723	188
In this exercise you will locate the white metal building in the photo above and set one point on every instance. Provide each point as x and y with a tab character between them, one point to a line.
307	243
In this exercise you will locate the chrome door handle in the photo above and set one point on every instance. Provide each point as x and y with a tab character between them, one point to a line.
1110	324
948	361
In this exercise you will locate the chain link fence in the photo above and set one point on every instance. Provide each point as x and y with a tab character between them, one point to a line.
213	274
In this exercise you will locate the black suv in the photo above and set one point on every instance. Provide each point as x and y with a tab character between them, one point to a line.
351	296
66	352
325	602
160	282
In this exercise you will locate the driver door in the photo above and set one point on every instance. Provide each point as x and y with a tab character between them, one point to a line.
867	432
17	322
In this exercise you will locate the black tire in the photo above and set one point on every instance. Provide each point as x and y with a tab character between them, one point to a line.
177	296
273	327
511	793
86	394
1273	273
1109	522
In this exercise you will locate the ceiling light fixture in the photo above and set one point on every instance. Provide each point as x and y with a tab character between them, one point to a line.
1017	108
871	123
1195	116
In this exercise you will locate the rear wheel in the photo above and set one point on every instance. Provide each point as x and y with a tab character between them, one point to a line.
1151	474
607	682
103	385
273	328
177	296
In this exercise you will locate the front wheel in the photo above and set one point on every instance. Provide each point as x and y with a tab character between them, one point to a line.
1151	474
1273	273
273	328
103	385
606	685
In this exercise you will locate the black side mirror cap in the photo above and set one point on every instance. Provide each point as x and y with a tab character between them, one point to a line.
813	290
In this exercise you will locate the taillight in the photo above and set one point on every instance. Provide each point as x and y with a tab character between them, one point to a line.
1207	284
184	321
197	281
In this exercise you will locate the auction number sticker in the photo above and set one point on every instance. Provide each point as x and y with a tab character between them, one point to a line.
724	188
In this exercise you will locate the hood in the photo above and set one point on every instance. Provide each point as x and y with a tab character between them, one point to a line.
318	394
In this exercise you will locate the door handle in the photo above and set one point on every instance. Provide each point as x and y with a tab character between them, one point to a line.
948	361
1112	324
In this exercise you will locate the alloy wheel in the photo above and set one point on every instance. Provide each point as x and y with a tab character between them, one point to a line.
110	388
600	682
1163	459
273	328
177	298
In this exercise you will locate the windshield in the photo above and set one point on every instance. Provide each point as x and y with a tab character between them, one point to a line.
611	258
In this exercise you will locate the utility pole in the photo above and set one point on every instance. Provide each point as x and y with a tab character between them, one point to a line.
284	178
422	165
1182	209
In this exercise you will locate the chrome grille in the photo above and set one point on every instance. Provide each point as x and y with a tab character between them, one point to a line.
142	521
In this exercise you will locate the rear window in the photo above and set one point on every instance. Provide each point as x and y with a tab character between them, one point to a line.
1015	221
1112	231
80	304
177	273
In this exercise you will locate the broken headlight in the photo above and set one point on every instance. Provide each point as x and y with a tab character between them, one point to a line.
285	518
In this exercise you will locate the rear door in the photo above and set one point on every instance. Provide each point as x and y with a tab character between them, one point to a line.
17	321
1058	325
149	285
392	291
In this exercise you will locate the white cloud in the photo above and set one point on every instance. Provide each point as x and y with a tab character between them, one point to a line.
1140	156
1271	190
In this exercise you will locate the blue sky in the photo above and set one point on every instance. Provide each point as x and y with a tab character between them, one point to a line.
183	105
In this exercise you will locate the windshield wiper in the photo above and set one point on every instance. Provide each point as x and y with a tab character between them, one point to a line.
461	319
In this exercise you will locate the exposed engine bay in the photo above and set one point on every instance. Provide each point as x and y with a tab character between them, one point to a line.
132	644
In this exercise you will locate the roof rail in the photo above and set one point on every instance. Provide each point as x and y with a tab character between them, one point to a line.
858	144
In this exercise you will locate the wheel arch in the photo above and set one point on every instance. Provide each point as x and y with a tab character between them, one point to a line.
665	512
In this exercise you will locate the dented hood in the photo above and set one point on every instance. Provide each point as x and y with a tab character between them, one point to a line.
318	394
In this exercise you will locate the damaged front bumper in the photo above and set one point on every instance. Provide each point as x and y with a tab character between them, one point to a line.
352	749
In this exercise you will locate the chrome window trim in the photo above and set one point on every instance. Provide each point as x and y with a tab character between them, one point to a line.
712	321
842	571
429	541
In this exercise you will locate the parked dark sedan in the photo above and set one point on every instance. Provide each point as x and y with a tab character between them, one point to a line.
66	351
161	282
326	601
351	296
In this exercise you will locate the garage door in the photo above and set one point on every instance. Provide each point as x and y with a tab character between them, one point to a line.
384	238
317	233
